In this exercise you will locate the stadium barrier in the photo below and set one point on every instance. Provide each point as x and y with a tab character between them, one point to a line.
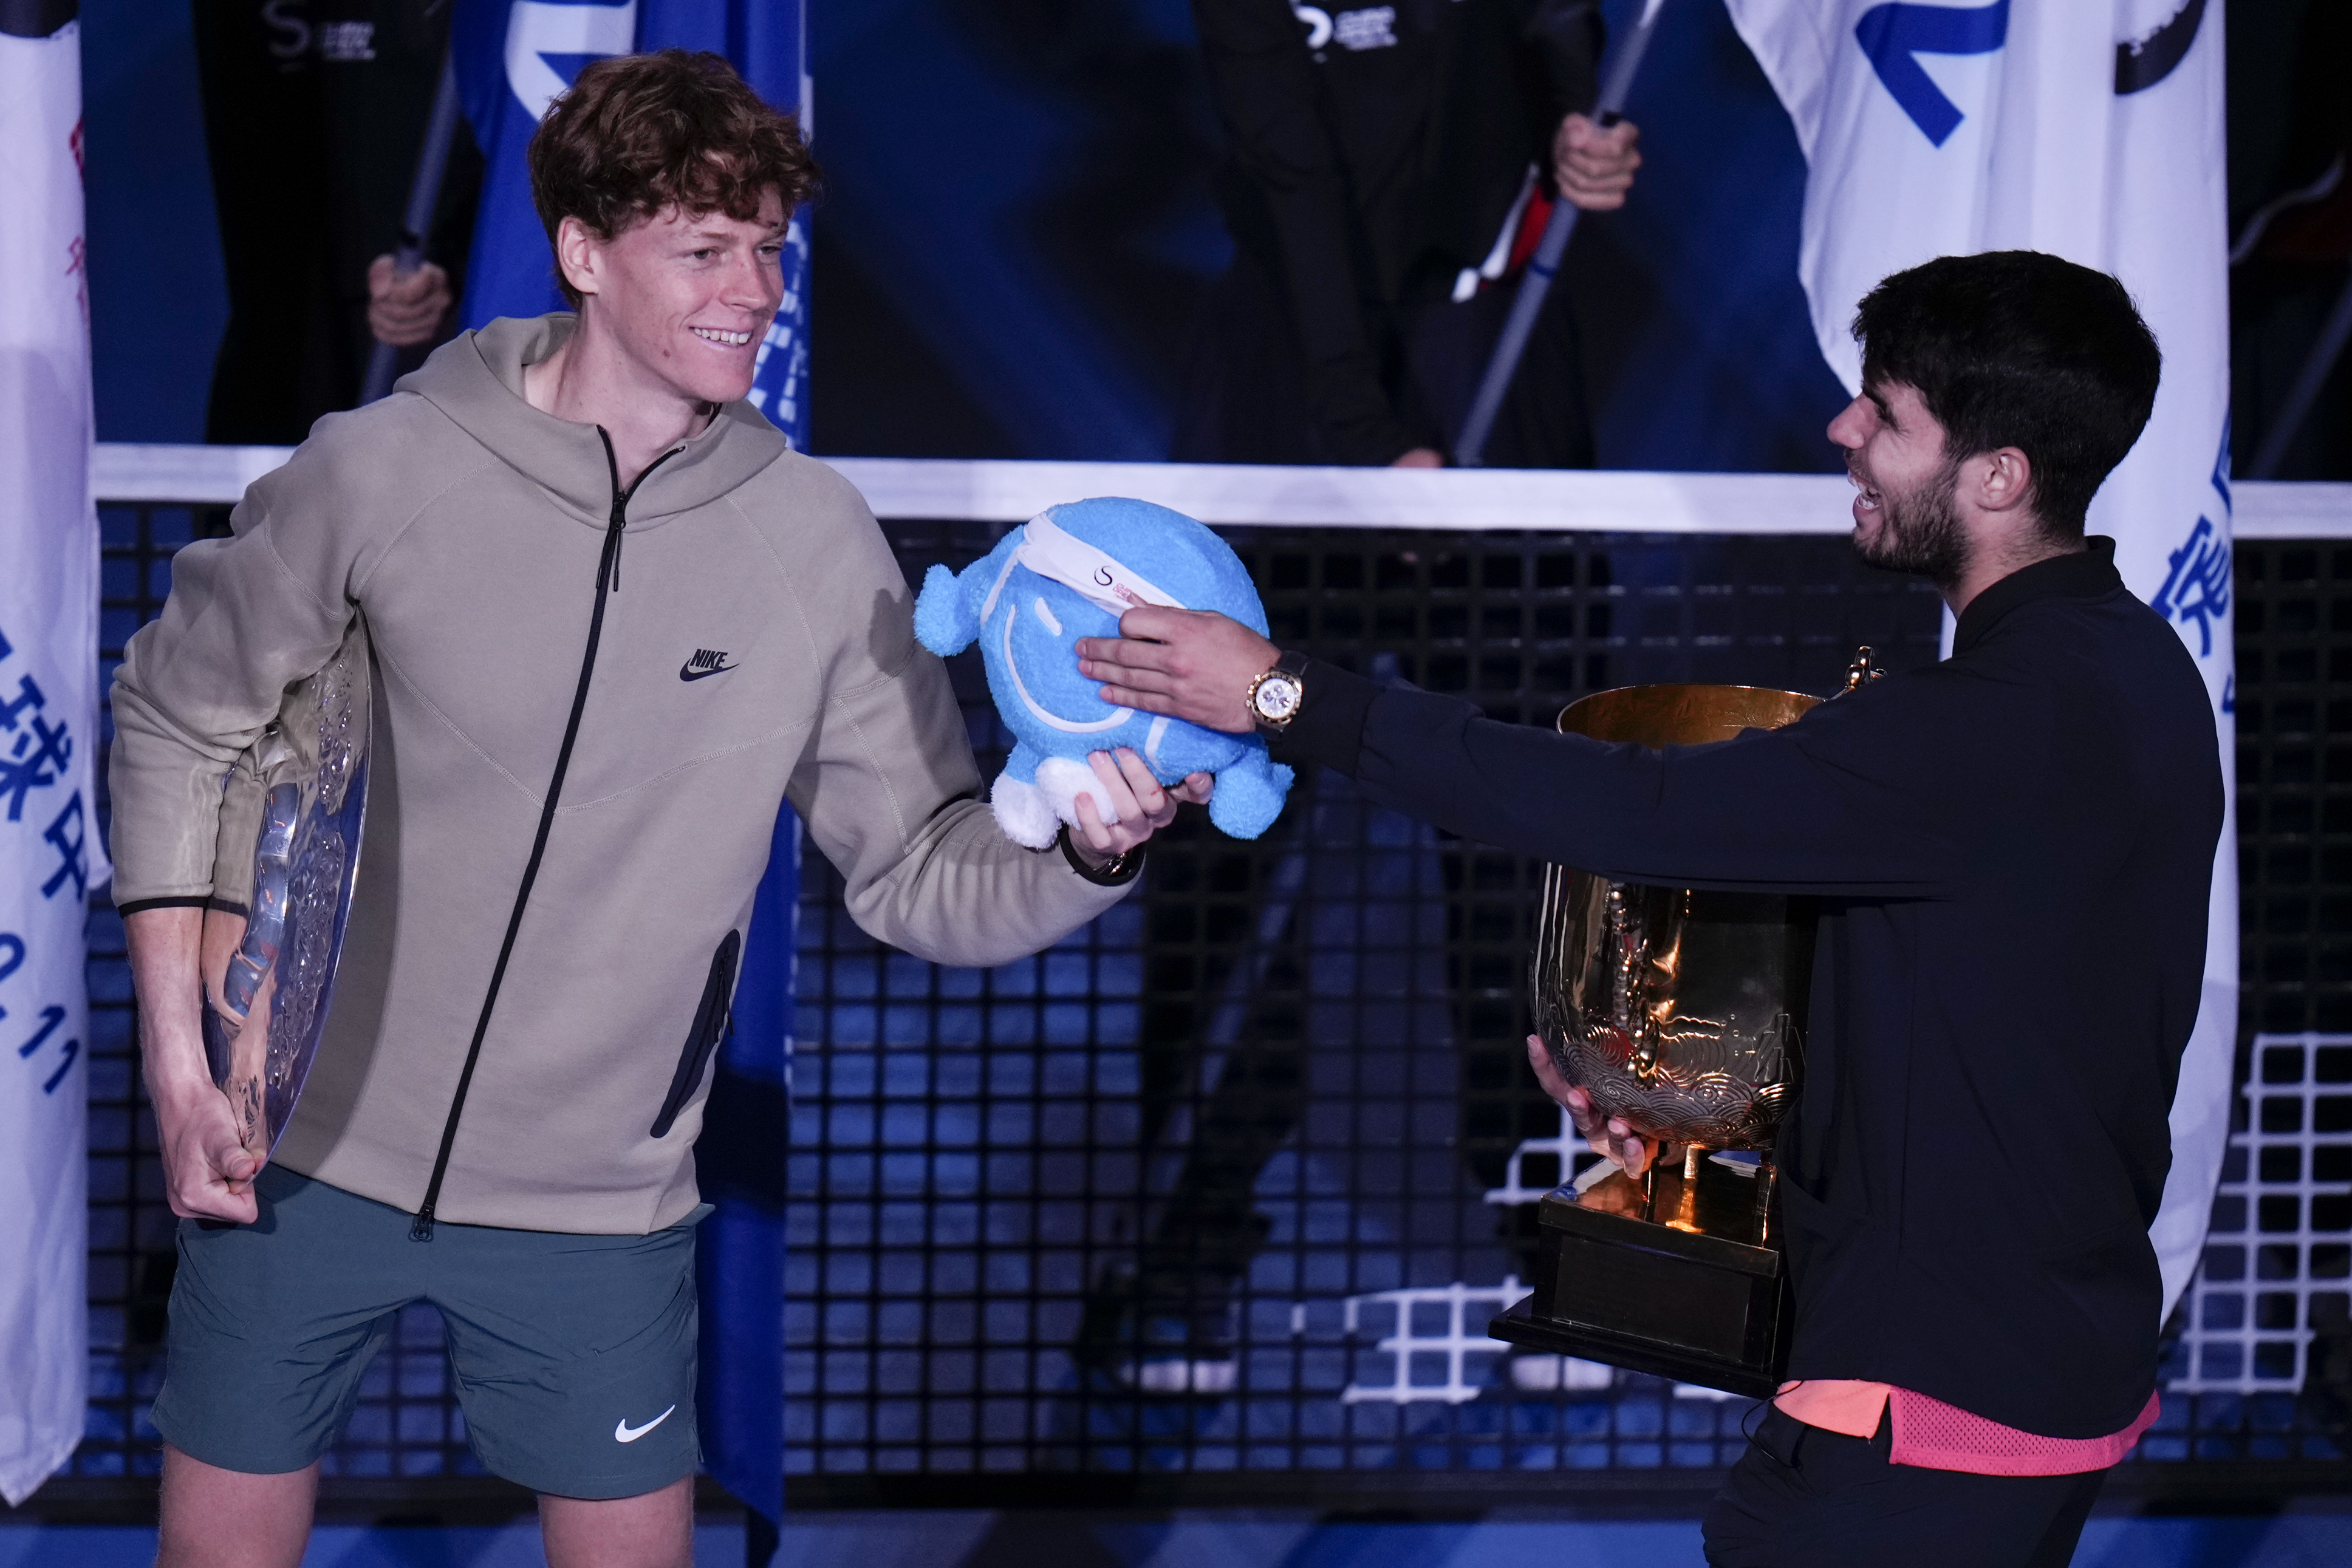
1294	1062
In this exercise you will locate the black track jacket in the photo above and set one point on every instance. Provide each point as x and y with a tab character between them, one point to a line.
2012	852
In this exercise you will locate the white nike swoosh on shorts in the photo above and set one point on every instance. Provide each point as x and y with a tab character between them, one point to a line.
625	1433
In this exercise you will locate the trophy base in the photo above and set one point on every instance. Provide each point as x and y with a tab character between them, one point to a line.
1700	1294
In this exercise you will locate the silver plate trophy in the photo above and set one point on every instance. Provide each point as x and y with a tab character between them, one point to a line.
287	859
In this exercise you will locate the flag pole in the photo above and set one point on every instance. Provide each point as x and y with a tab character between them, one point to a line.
424	196
1470	451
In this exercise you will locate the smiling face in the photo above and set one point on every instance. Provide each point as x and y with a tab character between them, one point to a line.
1041	620
1053	710
1904	516
683	298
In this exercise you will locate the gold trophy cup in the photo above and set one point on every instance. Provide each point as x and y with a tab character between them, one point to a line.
1682	1012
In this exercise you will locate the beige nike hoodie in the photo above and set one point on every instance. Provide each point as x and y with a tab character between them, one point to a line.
751	642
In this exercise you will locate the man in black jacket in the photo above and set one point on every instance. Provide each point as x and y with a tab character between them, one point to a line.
2011	851
1387	167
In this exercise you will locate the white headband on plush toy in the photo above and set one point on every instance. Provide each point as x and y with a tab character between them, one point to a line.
1103	579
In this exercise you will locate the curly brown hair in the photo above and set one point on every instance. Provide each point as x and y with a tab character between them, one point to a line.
640	133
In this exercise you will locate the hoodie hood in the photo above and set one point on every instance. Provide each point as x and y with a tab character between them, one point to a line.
475	379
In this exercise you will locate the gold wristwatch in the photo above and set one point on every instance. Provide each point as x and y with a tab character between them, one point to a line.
1274	696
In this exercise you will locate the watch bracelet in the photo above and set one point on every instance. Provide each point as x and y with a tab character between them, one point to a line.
1121	870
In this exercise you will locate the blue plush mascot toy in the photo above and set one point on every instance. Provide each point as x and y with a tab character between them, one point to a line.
1071	572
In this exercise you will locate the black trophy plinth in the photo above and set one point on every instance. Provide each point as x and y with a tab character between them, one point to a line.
1682	1277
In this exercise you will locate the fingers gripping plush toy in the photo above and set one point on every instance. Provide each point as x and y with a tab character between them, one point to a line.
1069	573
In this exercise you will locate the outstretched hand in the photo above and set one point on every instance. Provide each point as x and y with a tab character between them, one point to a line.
1195	665
1609	1136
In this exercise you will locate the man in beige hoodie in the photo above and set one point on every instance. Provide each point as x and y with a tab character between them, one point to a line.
615	622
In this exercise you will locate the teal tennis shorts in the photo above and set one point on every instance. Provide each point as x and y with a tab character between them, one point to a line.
574	1354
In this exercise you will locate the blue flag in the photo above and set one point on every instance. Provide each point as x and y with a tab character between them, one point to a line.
512	58
739	1249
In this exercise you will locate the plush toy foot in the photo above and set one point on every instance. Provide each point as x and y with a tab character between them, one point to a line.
1064	779
1024	811
1249	796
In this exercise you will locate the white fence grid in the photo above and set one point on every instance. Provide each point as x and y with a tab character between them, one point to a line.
2281	1244
1438	1329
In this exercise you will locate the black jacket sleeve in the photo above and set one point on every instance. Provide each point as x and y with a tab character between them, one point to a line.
1567	36
1878	795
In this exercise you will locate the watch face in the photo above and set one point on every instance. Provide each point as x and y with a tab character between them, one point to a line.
1277	697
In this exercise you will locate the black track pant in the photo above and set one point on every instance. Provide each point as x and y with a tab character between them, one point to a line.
1804	1497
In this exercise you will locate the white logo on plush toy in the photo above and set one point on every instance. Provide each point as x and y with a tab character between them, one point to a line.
1100	577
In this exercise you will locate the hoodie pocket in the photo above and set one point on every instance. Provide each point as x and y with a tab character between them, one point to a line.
710	1022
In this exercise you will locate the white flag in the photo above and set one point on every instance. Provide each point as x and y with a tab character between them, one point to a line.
50	853
2091	130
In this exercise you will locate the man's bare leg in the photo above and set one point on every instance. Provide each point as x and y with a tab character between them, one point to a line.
214	1518
651	1531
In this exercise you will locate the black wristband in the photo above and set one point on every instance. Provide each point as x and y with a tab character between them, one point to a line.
1121	870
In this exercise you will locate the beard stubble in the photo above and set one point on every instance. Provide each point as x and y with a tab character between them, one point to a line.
1920	532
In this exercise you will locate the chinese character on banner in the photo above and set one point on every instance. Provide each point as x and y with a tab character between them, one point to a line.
2197	585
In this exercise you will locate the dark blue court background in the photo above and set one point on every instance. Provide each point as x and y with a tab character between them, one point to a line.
1020	224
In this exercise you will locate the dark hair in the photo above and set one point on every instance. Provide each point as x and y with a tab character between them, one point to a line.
2014	348
639	133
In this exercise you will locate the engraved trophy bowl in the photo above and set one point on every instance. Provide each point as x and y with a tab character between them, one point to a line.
285	862
1679	1011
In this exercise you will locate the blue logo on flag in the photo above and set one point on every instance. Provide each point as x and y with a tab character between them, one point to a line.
37	759
11	958
1894	37
2196	588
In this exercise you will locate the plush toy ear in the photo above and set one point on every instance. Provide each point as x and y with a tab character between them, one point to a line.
944	619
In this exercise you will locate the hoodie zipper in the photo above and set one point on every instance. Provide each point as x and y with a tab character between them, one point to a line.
608	579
